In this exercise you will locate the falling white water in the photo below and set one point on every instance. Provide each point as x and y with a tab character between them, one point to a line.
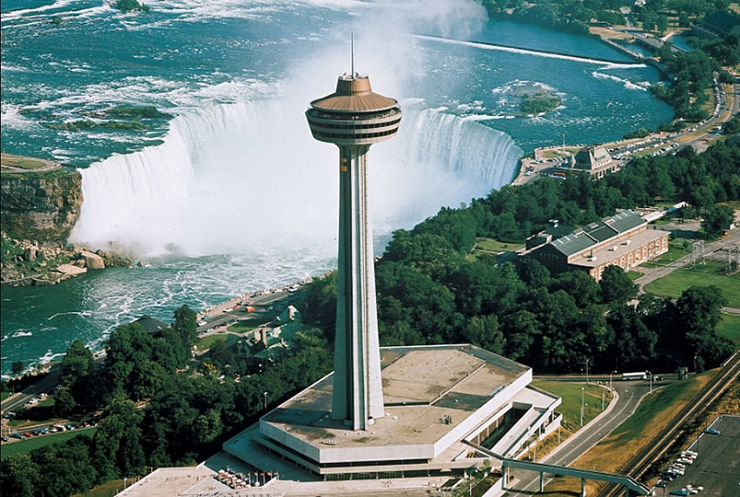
242	178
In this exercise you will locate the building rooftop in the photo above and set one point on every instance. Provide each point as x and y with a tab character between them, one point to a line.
433	396
354	94
610	252
598	232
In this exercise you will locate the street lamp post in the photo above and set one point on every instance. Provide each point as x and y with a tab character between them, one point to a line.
583	392
650	377
610	380
586	371
265	394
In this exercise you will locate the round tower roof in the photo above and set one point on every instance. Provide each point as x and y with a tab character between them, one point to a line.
354	95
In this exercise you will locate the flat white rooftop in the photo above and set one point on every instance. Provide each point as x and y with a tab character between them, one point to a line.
433	395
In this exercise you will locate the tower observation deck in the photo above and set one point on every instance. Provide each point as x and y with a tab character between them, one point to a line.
353	118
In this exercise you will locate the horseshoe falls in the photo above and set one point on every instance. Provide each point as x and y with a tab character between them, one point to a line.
234	178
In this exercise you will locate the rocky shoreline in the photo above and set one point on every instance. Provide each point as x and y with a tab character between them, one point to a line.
34	263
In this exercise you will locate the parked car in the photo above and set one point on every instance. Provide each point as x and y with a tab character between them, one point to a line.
5	439
712	431
19	436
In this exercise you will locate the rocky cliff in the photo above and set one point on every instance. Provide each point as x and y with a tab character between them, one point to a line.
41	206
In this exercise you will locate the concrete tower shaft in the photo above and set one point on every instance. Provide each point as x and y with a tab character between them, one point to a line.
354	118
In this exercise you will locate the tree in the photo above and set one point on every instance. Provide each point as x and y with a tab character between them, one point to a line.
64	402
186	325
716	219
695	316
77	363
532	272
484	331
221	354
616	286
117	445
584	289
64	468
19	476
321	303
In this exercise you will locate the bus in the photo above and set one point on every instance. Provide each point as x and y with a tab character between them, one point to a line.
635	376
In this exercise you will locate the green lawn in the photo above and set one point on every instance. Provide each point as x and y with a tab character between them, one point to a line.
633	275
707	274
676	250
248	324
491	245
570	392
22	162
26	446
207	342
729	328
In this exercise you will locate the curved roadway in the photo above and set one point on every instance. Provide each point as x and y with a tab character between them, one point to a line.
627	396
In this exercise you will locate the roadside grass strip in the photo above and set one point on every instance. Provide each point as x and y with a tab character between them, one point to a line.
107	489
571	409
729	327
26	446
245	325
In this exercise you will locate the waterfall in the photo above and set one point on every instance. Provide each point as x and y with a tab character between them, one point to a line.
248	178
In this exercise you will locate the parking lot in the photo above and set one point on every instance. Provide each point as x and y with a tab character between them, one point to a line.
717	466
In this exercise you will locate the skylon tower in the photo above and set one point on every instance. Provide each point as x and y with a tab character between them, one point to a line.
353	118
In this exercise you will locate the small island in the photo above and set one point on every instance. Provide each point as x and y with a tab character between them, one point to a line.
539	102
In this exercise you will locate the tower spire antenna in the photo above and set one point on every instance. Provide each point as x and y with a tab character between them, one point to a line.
353	55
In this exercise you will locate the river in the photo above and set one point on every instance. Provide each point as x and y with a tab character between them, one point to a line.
229	193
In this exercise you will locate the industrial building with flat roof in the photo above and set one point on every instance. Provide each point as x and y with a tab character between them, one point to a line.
623	240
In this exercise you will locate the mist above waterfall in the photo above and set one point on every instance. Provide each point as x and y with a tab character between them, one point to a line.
247	177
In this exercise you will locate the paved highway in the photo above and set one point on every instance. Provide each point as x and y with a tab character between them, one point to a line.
628	395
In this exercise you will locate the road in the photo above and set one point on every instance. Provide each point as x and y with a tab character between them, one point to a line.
45	385
628	395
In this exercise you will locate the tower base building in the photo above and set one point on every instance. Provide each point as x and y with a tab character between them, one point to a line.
448	409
